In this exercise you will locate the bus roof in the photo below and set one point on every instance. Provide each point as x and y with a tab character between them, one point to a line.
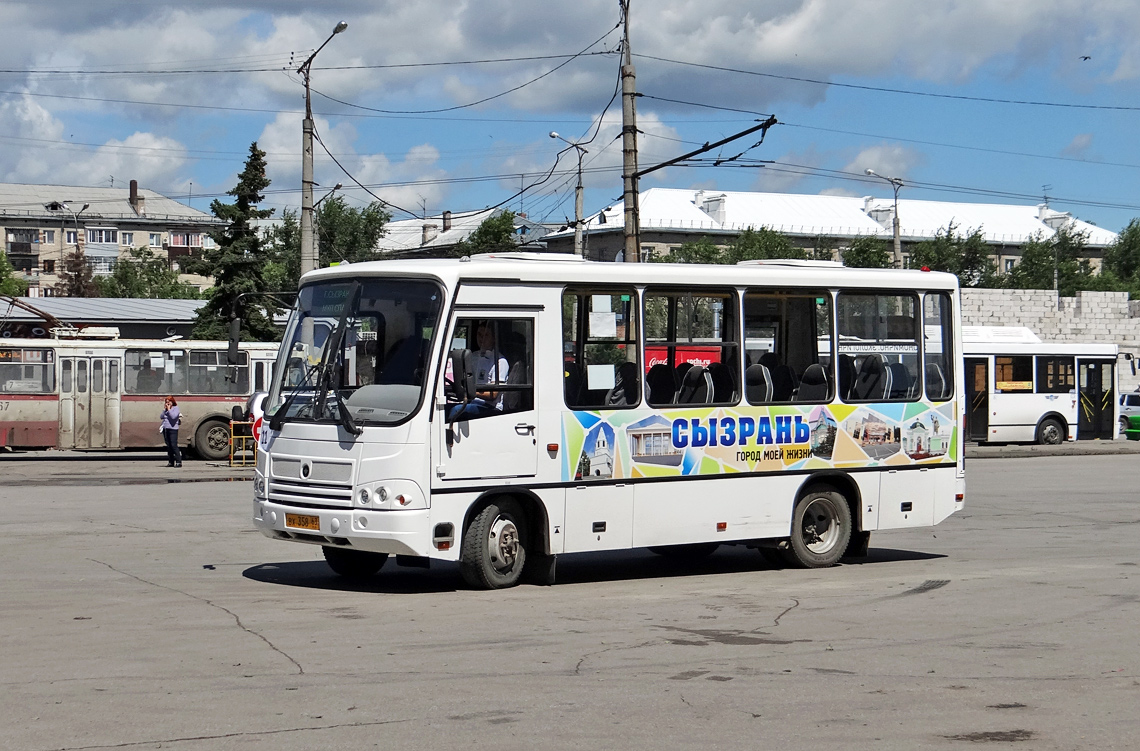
561	268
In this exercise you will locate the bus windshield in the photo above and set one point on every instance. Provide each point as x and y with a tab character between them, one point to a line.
356	352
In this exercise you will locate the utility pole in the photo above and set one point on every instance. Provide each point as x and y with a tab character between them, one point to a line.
578	247
308	247
632	252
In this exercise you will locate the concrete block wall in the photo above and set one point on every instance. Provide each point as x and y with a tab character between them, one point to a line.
1088	317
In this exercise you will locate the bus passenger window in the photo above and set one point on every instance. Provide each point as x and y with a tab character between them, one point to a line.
97	376
1013	374
502	357
938	346
599	349
113	376
81	376
692	346
1055	375
878	339
787	346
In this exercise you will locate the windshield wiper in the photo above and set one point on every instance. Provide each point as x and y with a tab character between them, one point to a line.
278	418
330	369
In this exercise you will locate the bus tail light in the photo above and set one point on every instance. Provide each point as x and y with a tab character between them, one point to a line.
444	536
721	526
959	498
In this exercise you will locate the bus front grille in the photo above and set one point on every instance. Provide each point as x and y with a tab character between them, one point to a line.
322	494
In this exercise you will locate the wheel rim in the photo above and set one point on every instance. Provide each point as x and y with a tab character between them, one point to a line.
1051	434
218	439
820	526
503	543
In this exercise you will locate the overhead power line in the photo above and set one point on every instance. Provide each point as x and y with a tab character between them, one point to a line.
889	90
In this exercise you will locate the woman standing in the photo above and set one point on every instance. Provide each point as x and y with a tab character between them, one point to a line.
171	419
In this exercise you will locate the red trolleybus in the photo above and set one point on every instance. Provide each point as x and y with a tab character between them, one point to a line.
87	393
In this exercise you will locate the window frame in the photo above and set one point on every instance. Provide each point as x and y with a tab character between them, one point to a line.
632	342
731	321
781	342
915	394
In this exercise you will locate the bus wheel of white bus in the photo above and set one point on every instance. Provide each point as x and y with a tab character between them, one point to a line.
821	529
1050	432
353	564
494	547
690	552
212	441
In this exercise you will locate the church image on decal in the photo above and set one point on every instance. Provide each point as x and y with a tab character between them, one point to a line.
924	439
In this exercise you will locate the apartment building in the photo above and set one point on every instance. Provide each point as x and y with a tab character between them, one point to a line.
43	224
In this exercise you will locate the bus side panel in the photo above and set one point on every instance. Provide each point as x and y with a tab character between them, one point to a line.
945	490
140	418
29	421
673	513
906	498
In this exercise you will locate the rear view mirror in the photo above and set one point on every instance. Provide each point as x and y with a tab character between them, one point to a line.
463	375
235	337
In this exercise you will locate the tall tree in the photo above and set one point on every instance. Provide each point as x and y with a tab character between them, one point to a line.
966	256
144	275
868	252
761	244
1122	258
237	262
10	284
75	277
494	234
345	234
1065	253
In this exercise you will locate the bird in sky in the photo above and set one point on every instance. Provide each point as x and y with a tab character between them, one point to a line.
1086	57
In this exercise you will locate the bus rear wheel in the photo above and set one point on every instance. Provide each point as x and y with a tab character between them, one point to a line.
1050	432
353	564
212	440
821	529
493	553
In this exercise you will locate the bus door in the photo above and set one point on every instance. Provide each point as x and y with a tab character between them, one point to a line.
494	433
977	398
1097	398
89	402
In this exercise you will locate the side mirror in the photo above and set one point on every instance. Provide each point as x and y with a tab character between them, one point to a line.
463	374
235	337
237	414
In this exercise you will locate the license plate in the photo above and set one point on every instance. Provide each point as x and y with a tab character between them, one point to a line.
303	521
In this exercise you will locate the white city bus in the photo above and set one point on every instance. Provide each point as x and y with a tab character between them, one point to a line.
502	410
95	391
1020	389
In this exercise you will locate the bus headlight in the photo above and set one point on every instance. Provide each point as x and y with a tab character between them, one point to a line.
259	487
363	497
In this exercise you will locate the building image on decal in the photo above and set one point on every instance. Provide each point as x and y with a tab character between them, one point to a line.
922	441
599	456
823	432
651	442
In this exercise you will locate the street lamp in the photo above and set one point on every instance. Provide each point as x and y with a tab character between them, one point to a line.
577	195
66	206
896	183
308	247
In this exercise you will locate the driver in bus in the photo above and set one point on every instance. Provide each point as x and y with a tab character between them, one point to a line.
489	370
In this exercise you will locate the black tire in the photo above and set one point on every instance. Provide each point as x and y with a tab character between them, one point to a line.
1050	432
691	552
821	529
212	440
1123	425
493	553
353	564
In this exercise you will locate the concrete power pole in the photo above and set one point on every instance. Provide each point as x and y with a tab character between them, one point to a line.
632	252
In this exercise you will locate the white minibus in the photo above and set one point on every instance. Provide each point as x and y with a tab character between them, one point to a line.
502	410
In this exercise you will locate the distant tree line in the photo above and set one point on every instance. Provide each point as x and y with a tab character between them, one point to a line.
965	255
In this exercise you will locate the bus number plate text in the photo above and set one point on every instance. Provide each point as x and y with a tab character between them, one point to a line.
303	521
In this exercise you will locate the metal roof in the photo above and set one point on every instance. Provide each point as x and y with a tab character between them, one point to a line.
106	309
27	201
804	215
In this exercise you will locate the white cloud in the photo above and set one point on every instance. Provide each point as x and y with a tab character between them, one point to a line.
889	160
1079	147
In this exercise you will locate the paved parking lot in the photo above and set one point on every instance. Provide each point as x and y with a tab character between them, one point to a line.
147	614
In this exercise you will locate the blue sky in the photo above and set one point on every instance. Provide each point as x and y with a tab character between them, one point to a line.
173	93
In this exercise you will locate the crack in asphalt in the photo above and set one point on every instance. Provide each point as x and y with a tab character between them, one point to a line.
232	614
239	734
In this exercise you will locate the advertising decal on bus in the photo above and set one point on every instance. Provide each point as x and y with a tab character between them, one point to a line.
714	441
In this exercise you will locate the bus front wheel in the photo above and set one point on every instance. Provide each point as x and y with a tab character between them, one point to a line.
353	564
212	440
821	529
1050	432
494	546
